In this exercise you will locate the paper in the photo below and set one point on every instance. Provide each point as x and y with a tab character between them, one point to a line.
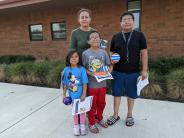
82	107
141	84
100	76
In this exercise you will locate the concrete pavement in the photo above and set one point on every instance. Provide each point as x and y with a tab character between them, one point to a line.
37	112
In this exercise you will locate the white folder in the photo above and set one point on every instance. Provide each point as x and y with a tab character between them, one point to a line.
141	84
82	107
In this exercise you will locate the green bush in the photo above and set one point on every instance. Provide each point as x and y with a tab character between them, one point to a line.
163	66
15	59
155	77
175	84
17	73
2	72
40	73
54	76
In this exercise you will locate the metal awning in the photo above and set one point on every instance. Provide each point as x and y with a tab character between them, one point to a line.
11	6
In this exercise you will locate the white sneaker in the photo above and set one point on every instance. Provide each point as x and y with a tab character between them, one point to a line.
76	130
83	129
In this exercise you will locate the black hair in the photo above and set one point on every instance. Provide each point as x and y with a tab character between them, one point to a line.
94	31
126	13
69	55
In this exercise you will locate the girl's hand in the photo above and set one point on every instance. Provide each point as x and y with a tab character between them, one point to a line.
64	96
82	98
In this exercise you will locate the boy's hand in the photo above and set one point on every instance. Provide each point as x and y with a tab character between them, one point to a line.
114	62
144	75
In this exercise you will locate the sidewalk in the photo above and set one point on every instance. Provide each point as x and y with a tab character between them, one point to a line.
37	112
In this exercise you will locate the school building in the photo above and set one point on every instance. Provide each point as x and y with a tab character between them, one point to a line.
42	27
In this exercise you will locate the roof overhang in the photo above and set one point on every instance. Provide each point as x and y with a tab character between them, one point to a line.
23	6
16	3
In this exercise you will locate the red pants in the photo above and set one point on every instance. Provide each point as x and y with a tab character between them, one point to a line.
98	105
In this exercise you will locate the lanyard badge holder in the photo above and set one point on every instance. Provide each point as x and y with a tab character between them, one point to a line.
127	43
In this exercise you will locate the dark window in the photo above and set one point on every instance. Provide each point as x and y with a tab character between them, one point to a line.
36	32
134	6
58	30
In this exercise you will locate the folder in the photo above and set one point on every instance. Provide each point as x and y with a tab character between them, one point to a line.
141	84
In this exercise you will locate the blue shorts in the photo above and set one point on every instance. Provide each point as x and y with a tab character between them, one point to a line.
124	84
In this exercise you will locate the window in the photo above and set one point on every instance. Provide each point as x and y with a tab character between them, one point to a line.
58	31
134	6
36	32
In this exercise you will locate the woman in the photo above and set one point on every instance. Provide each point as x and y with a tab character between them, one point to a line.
78	40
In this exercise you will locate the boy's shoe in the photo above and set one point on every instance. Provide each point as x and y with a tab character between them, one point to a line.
94	129
76	130
103	124
129	121
83	129
112	120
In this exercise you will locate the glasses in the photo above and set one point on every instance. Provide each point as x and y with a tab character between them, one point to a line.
94	38
126	19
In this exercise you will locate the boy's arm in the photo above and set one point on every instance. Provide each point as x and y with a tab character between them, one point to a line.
110	68
144	58
89	73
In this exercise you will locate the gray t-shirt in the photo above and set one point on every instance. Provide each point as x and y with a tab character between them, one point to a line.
94	61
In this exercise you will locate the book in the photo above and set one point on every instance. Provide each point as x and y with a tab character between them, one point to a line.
82	107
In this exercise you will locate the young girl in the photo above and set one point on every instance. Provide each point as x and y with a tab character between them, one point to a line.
75	82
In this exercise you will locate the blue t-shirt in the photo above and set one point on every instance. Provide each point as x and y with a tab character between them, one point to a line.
74	79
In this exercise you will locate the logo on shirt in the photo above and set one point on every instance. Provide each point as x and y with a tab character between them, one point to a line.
95	64
72	82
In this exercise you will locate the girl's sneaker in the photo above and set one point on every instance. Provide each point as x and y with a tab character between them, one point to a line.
76	130
83	129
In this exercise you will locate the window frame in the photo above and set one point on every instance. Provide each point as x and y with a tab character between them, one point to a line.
30	33
136	11
52	31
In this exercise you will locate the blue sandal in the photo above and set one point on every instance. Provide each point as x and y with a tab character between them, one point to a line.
129	121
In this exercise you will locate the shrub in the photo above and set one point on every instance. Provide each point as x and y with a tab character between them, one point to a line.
40	71
175	84
154	89
163	66
17	73
16	59
2	73
54	76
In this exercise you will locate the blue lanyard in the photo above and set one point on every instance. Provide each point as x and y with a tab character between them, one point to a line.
127	43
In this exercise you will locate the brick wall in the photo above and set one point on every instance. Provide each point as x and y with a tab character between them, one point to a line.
163	24
161	21
14	32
